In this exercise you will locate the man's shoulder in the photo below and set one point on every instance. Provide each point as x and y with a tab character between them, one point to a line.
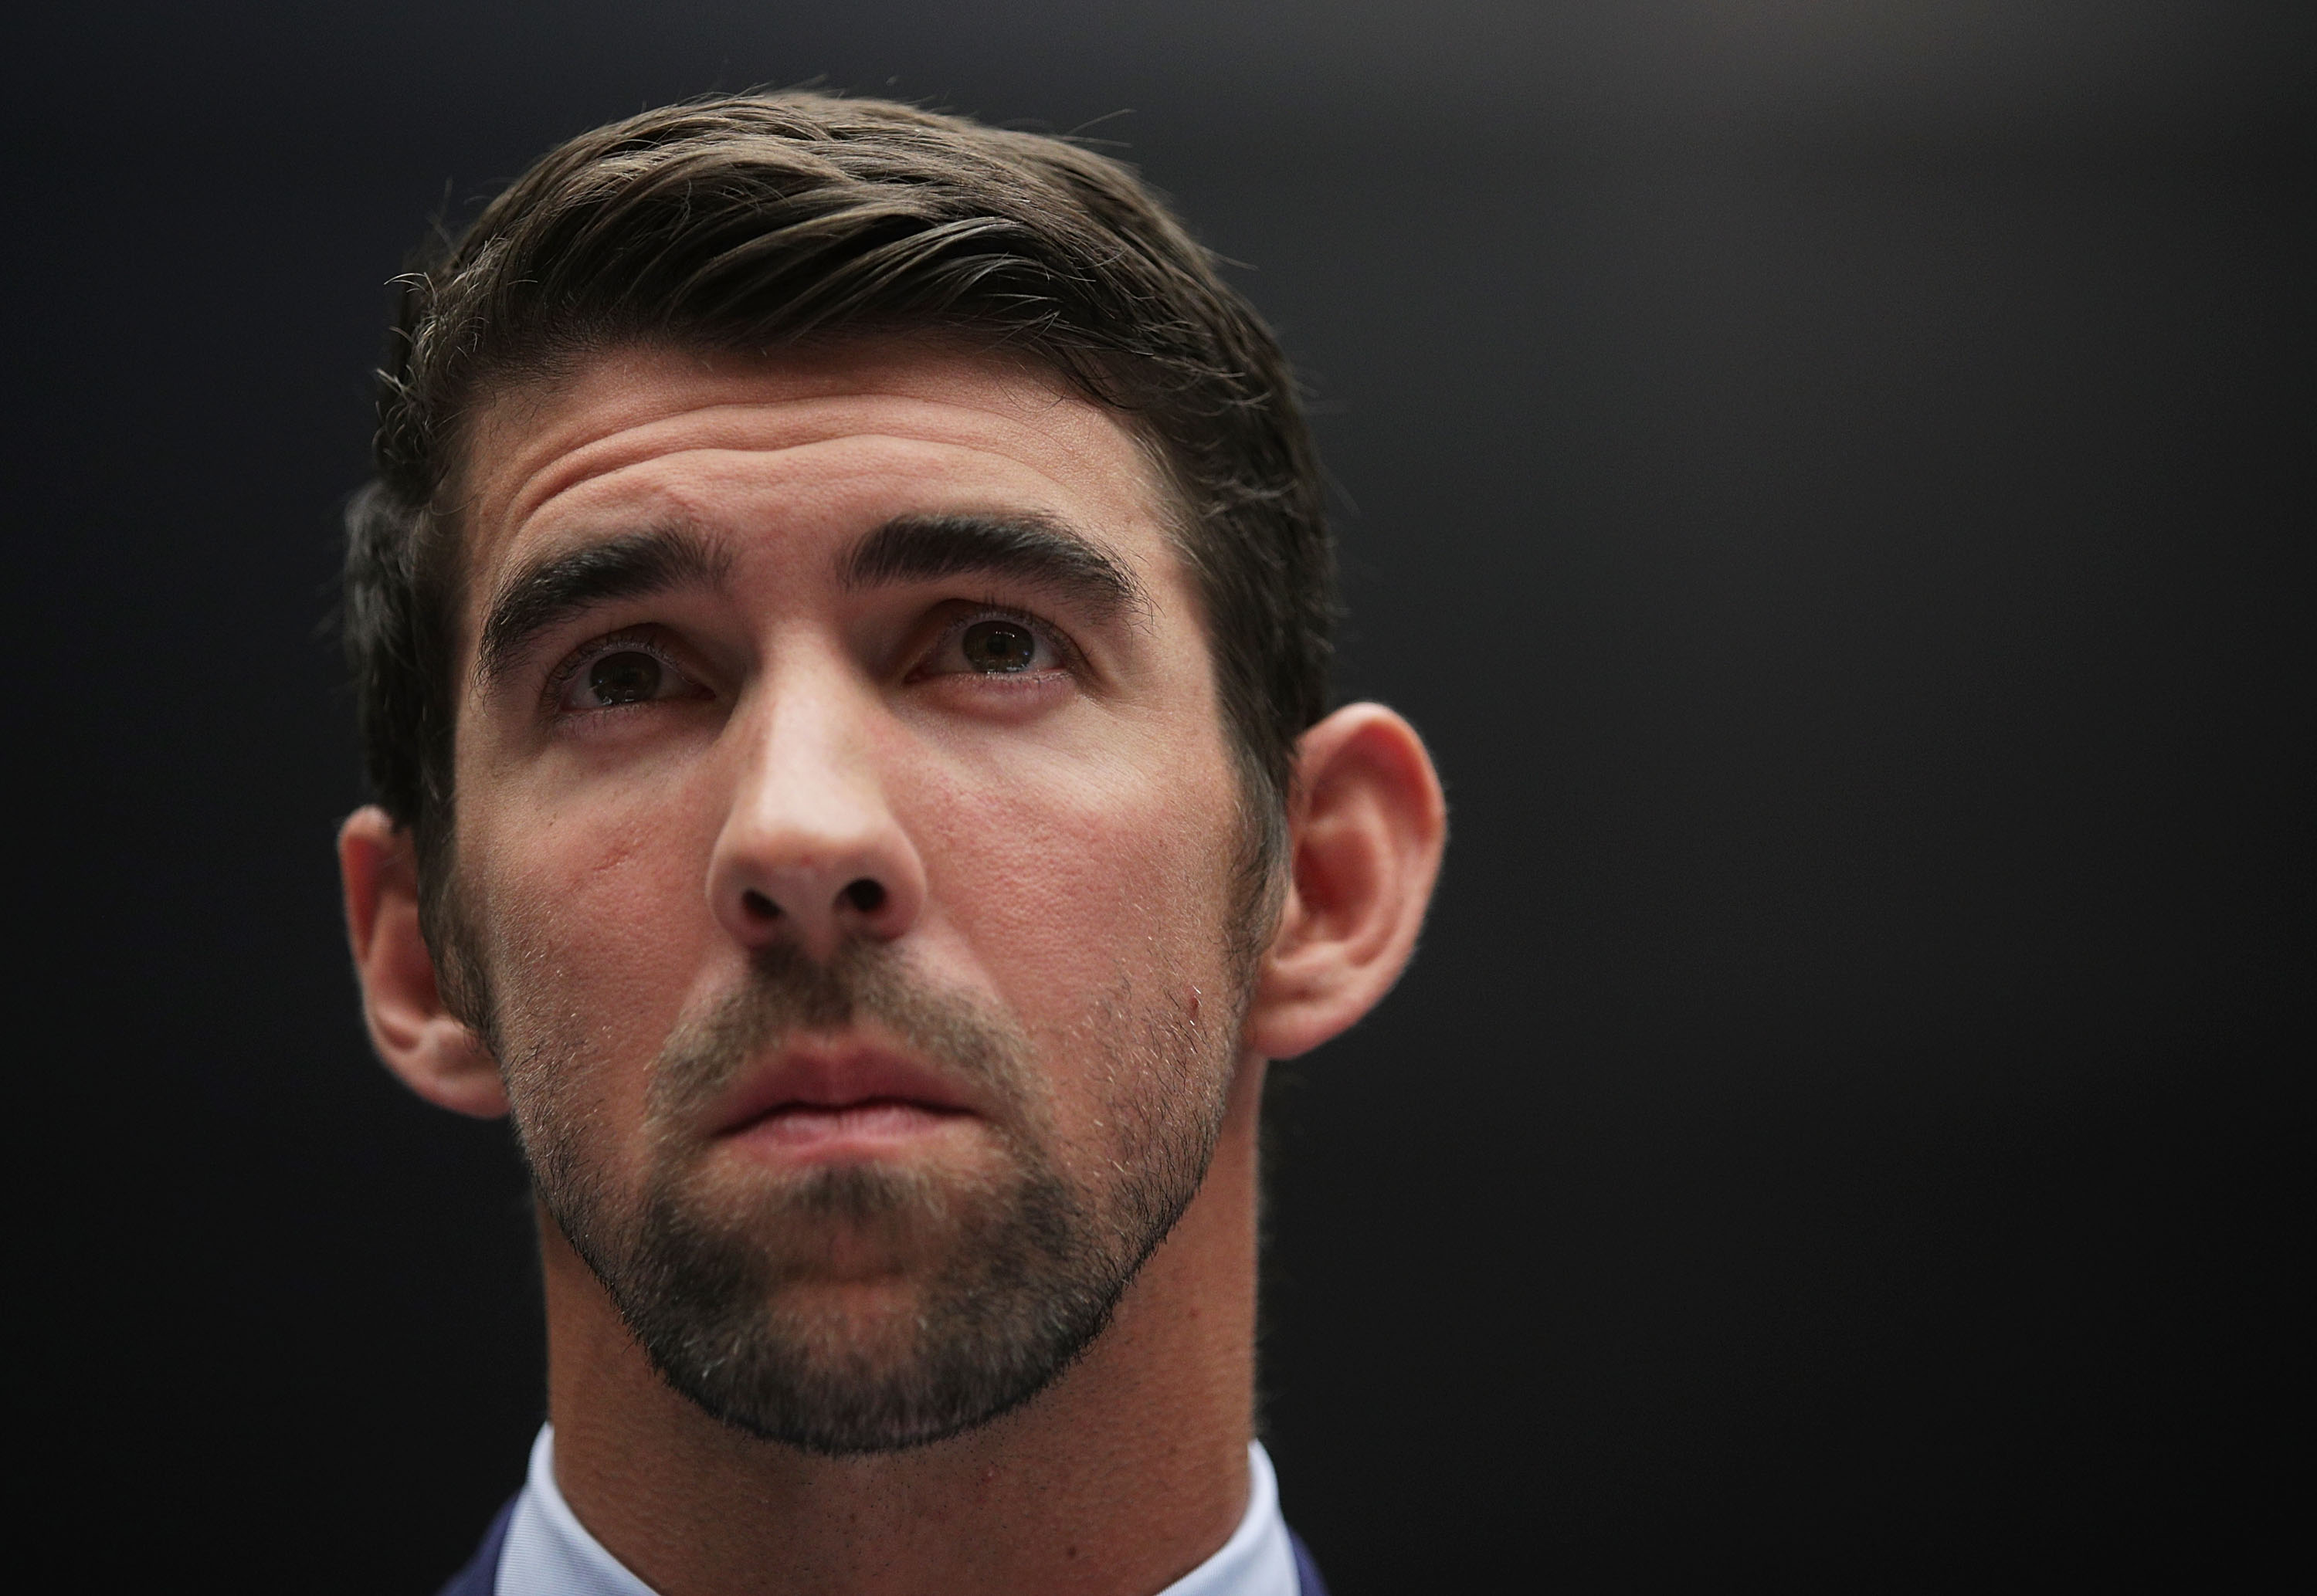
1307	1582
480	1576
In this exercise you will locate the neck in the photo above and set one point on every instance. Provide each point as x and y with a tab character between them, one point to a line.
1119	1478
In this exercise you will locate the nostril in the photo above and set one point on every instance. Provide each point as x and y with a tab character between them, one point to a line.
759	906
866	895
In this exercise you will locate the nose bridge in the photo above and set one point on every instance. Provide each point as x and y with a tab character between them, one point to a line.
806	756
811	848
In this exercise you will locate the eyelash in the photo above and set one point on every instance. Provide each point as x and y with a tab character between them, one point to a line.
993	610
639	641
630	641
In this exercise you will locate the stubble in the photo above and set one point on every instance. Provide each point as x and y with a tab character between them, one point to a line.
866	1308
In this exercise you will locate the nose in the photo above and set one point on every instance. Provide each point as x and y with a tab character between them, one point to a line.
811	850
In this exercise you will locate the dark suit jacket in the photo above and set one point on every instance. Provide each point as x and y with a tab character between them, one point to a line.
480	1576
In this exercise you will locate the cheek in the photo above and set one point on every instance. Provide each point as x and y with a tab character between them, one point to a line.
594	928
1089	889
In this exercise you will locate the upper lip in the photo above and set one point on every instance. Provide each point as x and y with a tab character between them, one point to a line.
808	1072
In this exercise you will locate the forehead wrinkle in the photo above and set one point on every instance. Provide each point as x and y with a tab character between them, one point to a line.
634	386
564	428
737	425
1034	495
572	464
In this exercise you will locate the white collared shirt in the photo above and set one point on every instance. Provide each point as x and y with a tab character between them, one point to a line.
550	1553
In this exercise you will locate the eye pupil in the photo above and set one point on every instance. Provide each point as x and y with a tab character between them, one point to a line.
999	646
628	678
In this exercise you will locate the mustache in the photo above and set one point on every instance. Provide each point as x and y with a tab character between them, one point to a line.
787	993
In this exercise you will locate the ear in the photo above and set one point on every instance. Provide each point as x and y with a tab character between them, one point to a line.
1366	832
433	1052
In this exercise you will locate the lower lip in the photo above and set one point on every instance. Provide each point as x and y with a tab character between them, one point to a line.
866	1128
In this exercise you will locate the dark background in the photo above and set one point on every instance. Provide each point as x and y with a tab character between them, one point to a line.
1830	480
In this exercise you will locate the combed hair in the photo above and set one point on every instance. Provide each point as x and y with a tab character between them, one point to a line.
759	222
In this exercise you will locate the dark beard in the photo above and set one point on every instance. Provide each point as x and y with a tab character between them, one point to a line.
1011	1274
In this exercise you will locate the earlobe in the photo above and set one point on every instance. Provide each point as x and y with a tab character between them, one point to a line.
1366	831
432	1051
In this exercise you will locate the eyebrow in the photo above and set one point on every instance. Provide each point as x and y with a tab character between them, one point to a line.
1029	548
555	588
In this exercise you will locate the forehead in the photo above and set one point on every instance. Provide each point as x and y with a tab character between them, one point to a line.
830	439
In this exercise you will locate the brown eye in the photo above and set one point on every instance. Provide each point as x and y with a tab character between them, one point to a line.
999	646
629	677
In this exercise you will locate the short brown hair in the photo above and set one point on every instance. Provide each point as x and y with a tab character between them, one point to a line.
757	222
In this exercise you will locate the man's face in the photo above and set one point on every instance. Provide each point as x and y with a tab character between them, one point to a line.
847	840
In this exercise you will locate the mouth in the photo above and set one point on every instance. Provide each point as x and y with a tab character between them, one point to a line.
819	1103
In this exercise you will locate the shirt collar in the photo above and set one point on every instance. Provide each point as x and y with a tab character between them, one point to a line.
550	1553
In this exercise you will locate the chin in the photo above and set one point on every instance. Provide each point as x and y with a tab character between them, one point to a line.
847	1368
871	1334
866	1308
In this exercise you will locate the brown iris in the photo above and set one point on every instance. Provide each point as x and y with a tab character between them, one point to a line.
624	678
999	646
